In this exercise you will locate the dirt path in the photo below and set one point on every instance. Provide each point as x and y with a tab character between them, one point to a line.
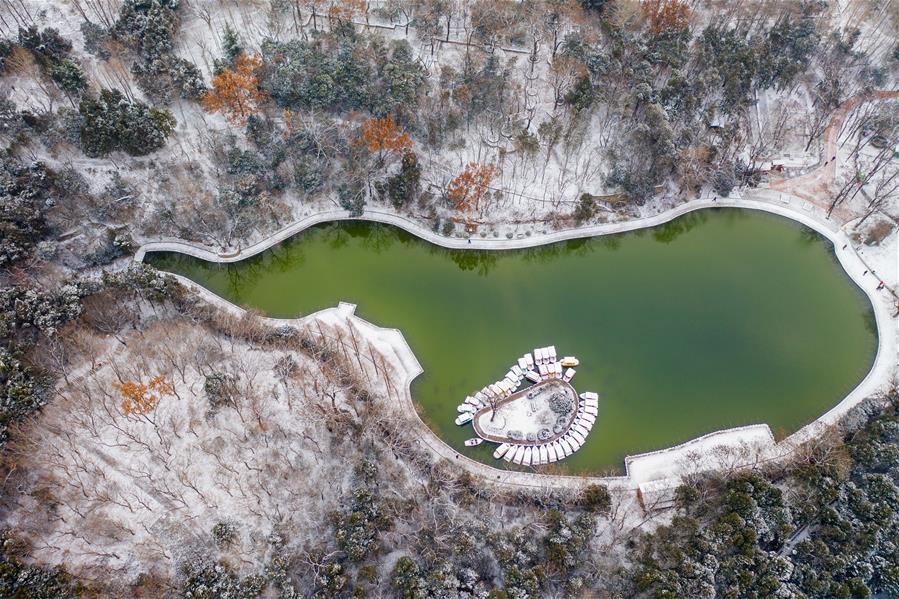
817	186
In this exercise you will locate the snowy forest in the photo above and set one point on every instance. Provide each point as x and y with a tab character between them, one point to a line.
154	445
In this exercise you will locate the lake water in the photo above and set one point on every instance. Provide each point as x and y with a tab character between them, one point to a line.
718	319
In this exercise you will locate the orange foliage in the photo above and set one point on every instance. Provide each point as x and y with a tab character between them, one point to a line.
235	92
345	10
664	15
380	135
141	398
467	190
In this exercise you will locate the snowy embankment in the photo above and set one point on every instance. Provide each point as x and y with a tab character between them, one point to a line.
728	449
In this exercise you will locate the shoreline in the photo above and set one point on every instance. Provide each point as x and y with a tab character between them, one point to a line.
749	445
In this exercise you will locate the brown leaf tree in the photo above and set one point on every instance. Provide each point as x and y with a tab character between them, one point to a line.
468	189
235	92
383	136
141	398
666	15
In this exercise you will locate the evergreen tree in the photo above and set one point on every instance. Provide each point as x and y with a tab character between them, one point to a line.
405	185
68	76
111	123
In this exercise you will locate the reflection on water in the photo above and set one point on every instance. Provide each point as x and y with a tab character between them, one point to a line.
673	229
479	261
717	319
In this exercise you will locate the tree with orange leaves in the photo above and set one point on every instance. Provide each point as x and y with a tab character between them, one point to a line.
666	15
384	136
142	398
468	189
235	92
345	10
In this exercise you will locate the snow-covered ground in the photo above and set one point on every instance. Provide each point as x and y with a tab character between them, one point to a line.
135	490
233	434
746	446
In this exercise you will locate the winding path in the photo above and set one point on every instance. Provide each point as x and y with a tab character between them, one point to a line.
816	187
806	202
740	447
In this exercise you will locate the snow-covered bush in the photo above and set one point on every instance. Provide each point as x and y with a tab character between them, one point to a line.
220	388
202	578
560	403
224	534
111	123
356	530
18	579
26	192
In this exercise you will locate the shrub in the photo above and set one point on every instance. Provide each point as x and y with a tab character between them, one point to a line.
581	95
224	534
351	198
356	530
307	174
220	390
202	578
20	580
724	180
560	403
25	193
23	391
111	123
5	51
145	281
403	187
31	310
595	498
586	208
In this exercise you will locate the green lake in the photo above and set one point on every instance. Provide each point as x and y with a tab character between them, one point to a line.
717	319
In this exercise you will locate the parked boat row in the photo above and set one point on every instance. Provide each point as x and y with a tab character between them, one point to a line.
539	365
534	367
561	448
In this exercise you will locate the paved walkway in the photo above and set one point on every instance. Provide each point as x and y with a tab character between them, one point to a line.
816	187
744	446
803	199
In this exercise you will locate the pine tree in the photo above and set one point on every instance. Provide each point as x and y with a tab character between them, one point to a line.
110	123
405	185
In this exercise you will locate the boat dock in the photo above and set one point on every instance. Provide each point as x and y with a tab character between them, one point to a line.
539	424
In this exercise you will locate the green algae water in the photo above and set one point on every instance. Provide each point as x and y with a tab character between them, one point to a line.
718	319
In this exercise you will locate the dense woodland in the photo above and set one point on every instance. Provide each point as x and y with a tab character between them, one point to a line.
822	526
454	115
465	116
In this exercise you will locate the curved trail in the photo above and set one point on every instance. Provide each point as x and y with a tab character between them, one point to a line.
815	186
744	446
732	448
